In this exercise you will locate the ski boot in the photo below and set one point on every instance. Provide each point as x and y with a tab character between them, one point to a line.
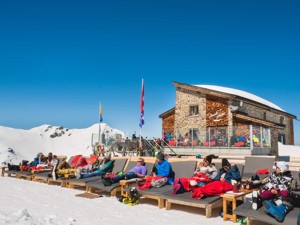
256	200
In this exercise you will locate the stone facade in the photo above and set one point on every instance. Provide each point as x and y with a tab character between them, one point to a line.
197	109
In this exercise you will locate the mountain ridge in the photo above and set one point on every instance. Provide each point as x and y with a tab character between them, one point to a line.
19	144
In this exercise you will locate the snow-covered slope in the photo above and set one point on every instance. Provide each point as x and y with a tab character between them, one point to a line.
18	144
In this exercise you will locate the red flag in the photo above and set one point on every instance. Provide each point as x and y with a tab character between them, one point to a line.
142	106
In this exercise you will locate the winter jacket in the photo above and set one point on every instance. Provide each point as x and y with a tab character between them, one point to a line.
232	174
280	181
164	169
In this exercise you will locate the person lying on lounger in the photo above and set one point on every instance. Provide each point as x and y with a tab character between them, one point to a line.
204	173
162	174
222	182
139	171
105	167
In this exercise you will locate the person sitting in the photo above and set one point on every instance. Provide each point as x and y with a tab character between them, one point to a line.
204	173
65	168
105	167
162	174
275	192
49	158
39	159
222	181
139	171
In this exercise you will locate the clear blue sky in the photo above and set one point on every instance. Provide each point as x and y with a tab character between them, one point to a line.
58	59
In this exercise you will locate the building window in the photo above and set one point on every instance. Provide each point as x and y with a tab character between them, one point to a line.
194	110
265	116
281	120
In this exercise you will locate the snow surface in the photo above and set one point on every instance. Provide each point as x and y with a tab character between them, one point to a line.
240	93
32	203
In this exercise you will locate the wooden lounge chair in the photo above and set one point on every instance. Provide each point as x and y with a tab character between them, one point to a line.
186	199
259	215
118	187
125	184
119	165
44	176
254	163
62	180
183	168
29	175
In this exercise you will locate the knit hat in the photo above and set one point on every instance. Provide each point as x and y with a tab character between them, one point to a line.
160	156
210	157
225	162
282	165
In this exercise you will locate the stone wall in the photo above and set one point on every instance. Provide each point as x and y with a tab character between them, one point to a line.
183	120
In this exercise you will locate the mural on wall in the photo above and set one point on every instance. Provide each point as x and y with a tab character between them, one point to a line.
216	111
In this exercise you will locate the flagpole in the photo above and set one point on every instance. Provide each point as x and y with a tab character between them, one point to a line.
99	137
141	146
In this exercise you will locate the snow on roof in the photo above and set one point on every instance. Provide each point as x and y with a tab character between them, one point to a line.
240	93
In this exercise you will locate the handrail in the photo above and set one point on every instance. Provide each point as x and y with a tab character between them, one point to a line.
166	144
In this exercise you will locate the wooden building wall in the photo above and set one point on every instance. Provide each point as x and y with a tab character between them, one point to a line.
168	123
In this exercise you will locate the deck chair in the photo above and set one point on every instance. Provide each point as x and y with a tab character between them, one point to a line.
181	169
119	165
44	176
208	203
125	184
118	187
185	198
254	163
259	215
61	180
30	175
9	173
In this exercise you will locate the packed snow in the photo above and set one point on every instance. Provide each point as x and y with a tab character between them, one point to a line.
31	203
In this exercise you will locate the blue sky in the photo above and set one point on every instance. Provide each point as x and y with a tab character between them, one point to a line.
58	59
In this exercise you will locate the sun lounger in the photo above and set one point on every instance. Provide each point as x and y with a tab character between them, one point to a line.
118	187
254	163
124	184
186	199
181	169
259	215
44	175
119	165
29	175
59	180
